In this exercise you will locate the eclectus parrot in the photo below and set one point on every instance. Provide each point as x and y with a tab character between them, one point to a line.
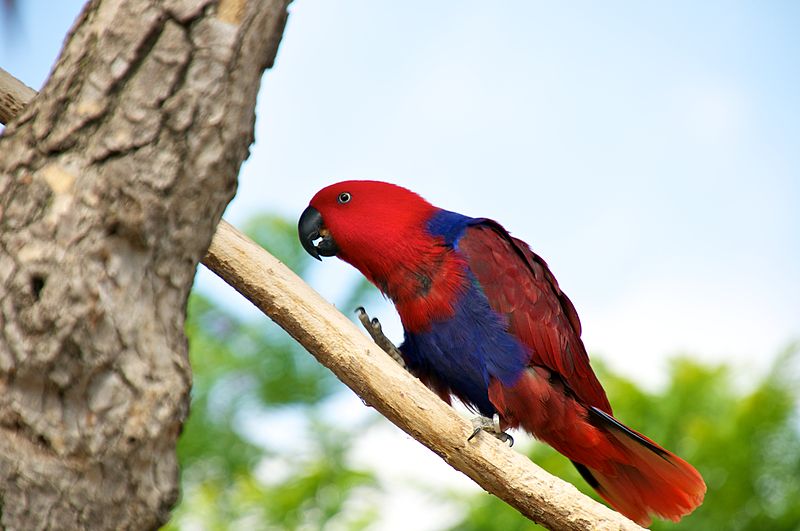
485	321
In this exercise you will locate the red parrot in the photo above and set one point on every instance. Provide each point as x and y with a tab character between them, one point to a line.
485	321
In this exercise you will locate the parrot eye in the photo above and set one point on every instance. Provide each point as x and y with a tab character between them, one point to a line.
344	197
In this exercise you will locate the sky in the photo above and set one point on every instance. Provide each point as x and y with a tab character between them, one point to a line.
649	151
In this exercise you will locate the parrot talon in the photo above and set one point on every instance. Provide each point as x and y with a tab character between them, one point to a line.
375	330
492	426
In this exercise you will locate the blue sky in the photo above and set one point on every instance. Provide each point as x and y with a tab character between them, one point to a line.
649	151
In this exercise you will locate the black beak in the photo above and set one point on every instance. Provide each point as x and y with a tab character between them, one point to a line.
310	228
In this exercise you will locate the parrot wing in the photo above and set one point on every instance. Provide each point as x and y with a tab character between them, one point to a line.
520	287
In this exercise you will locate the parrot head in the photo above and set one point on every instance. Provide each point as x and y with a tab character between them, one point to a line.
372	225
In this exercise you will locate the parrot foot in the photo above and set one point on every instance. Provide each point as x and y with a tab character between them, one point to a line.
374	329
490	425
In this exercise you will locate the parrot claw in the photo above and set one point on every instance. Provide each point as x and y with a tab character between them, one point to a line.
375	330
490	425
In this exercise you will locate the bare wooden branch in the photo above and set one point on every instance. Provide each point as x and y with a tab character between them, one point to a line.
14	96
339	345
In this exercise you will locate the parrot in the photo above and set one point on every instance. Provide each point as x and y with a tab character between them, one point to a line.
485	321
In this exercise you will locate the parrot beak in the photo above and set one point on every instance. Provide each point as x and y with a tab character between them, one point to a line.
311	228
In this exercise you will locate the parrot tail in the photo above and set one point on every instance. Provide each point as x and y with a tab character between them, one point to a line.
651	481
632	473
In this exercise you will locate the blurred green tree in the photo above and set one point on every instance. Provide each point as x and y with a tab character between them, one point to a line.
249	374
746	444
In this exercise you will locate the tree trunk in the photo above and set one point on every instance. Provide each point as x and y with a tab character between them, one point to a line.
112	182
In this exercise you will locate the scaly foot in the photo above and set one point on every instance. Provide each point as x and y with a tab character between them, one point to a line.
490	425
373	326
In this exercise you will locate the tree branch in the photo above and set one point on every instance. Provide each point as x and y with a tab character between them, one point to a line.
339	345
14	96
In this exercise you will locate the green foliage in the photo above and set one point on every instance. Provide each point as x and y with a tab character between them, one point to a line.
252	373
745	444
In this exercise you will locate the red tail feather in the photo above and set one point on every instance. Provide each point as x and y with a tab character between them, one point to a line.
634	474
650	481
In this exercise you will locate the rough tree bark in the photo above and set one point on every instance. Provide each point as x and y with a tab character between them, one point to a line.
112	182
